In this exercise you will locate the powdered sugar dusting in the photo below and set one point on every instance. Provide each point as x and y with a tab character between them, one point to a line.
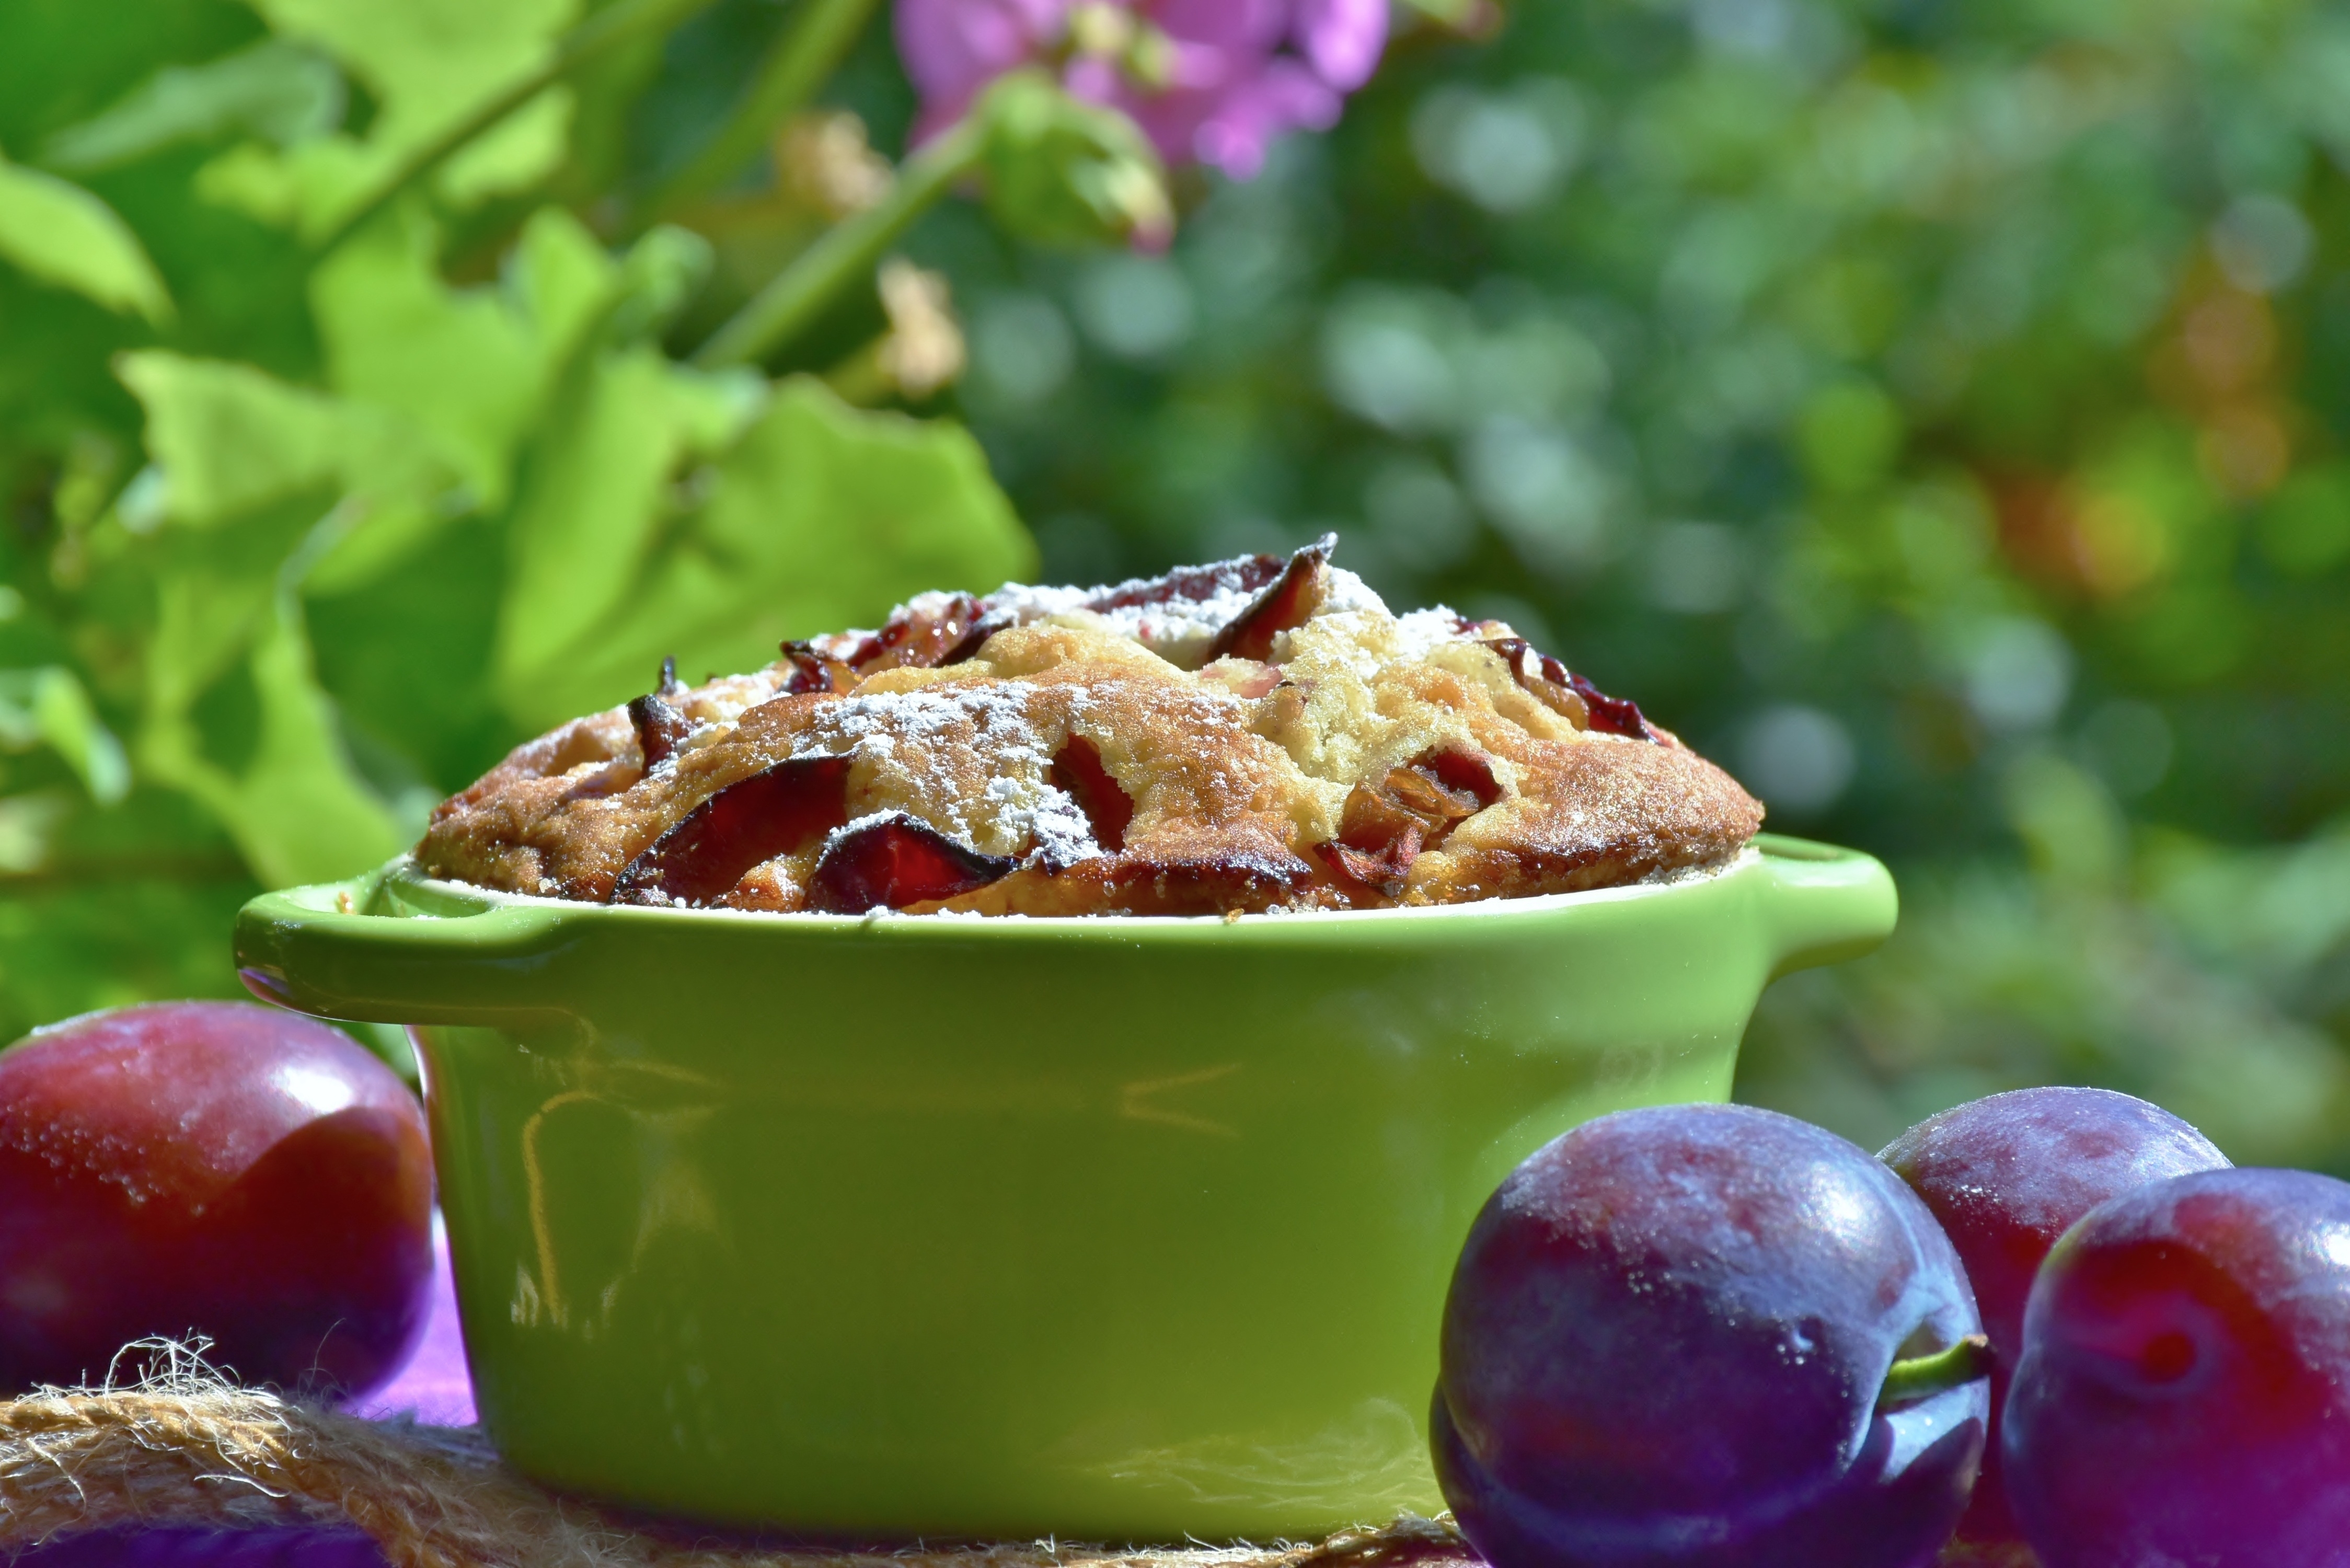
1051	816
1180	629
1422	632
998	712
1018	809
1349	592
1026	604
1176	627
1174	616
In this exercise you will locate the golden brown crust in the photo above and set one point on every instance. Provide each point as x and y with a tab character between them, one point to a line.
1067	769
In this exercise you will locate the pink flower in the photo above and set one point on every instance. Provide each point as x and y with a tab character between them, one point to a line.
1211	81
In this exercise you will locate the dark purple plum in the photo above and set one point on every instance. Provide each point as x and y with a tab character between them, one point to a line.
212	1167
2184	1392
2006	1176
1672	1340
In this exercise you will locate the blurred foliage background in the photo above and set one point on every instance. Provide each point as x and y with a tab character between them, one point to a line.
1935	413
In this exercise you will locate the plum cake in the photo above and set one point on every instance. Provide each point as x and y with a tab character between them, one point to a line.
1259	735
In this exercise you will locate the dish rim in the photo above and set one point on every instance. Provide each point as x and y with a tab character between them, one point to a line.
464	901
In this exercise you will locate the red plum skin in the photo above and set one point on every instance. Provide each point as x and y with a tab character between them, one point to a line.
2006	1176
210	1169
2184	1391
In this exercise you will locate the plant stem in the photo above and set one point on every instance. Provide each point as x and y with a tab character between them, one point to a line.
808	51
1907	1382
780	311
623	22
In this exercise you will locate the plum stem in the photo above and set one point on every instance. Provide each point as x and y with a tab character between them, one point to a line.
1921	1377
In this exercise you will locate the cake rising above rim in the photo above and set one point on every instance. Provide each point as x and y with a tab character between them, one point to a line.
1250	735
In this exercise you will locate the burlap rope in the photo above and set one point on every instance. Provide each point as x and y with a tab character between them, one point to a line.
184	1448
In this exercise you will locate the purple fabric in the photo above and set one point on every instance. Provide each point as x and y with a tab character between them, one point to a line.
280	1548
1210	81
432	1390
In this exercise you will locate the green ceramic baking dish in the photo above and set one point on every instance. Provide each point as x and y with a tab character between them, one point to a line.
917	1226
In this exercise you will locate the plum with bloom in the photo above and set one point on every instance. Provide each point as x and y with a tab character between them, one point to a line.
2184	1394
214	1170
2009	1174
1707	1336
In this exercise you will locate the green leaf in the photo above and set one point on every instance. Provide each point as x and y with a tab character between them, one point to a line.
596	500
48	707
820	517
463	364
659	278
205	617
28	828
474	367
237	456
298	811
426	64
523	148
229	441
61	234
301	813
227	438
278	91
440	386
75	946
562	279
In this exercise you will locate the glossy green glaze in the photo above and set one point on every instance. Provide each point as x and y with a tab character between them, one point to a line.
1118	1228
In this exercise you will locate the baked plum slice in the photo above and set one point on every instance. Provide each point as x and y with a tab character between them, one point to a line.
749	822
1178	880
661	726
1571	696
816	669
661	729
1288	603
1446	781
935	635
1380	870
1385	825
1078	772
1192	585
890	861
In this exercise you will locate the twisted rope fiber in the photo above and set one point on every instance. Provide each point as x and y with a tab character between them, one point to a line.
189	1449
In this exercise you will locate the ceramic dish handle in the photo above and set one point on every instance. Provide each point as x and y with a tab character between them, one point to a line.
319	950
1823	904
